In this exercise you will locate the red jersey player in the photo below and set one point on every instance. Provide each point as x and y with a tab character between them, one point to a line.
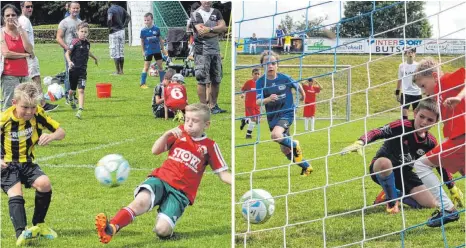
175	97
173	186
312	88
450	93
252	110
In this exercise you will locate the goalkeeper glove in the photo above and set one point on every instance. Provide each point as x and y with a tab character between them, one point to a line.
355	147
457	197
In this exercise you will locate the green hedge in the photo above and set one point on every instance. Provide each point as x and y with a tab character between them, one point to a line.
48	34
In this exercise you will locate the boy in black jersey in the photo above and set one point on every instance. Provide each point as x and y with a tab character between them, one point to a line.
405	141
77	58
22	128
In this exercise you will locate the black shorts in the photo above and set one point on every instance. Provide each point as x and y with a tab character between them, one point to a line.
409	100
159	111
78	79
26	173
285	124
157	56
410	178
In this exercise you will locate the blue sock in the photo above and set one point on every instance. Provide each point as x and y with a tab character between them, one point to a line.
303	164
286	141
412	203
388	185
143	78
161	75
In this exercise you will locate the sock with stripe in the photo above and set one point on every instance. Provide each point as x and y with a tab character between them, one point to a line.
123	218
388	185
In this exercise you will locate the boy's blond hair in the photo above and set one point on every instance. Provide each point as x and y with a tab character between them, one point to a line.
27	92
268	53
203	109
82	25
428	104
426	68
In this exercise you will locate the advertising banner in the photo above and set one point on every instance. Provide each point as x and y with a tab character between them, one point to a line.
137	10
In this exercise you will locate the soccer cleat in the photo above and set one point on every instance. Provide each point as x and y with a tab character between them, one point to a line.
27	235
144	86
79	113
243	123
179	116
380	197
71	102
46	232
217	110
49	107
306	172
393	210
437	217
297	153
104	229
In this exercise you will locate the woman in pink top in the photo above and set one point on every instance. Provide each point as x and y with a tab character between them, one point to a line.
15	49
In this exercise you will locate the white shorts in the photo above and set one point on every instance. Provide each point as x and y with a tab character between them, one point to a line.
287	47
33	67
117	44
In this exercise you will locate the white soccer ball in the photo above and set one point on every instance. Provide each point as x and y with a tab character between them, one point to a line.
112	170
55	92
258	206
153	72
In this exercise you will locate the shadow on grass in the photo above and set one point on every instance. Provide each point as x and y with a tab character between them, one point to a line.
198	234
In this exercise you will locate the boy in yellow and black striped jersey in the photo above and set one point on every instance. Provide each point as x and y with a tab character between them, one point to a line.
21	129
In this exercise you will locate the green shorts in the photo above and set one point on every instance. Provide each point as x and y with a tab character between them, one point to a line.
171	201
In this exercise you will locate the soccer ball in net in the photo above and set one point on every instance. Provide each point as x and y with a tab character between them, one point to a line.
258	206
112	170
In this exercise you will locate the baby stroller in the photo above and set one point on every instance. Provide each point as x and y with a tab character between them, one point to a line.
178	49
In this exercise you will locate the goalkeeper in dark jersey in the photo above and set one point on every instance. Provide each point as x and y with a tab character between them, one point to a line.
391	168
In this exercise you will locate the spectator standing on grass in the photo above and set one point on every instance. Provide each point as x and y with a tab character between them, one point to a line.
65	34
33	63
117	19
411	94
15	48
253	44
208	23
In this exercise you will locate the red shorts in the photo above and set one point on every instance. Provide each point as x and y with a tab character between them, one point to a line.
252	111
451	155
309	110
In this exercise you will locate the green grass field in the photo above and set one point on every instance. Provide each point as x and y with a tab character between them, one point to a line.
121	124
302	202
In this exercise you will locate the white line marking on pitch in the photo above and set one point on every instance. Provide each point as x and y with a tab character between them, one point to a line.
85	150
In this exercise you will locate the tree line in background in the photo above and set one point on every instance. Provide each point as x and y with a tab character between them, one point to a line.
95	12
360	26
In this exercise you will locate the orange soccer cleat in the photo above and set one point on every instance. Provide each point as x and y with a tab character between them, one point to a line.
105	230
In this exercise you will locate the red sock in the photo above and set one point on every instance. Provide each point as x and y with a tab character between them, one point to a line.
123	218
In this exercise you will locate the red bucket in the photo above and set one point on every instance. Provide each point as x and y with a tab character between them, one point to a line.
104	90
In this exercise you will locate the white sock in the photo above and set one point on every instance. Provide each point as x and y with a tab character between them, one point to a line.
250	127
313	122
429	179
306	124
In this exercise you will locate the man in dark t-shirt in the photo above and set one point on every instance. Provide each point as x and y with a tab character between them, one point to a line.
117	19
208	23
